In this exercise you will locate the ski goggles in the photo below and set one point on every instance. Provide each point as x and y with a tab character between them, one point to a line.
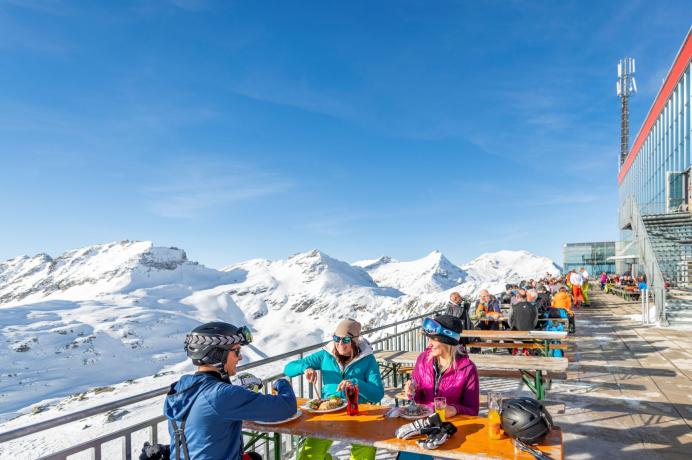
243	335
346	340
432	327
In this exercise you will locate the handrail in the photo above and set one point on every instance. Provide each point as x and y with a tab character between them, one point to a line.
654	274
51	423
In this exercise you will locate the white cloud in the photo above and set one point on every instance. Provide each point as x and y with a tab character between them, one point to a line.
188	187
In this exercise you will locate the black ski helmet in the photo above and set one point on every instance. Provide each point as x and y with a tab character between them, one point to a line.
211	342
525	419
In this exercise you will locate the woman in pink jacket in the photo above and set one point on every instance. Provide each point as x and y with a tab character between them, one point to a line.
444	369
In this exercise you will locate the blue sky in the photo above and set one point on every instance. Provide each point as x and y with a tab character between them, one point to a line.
259	129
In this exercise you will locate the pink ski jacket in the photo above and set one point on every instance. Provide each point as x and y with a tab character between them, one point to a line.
460	386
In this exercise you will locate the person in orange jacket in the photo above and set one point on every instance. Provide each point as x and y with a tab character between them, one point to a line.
562	299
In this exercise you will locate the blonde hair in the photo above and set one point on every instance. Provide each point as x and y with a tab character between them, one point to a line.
449	355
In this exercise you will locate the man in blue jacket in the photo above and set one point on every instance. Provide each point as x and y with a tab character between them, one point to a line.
205	411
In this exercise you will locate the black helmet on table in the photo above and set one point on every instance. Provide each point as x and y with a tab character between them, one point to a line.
525	419
210	343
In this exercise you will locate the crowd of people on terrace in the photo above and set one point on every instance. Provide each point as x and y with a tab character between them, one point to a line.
624	281
526	303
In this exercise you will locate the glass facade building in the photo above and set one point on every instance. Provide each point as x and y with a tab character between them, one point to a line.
594	257
656	175
657	170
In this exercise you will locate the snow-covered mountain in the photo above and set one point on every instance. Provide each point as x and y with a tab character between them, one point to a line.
111	313
493	270
89	272
433	273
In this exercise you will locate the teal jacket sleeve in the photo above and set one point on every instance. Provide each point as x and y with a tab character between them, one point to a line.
235	403
298	366
370	388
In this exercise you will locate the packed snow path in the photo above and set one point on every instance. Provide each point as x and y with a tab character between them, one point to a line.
629	387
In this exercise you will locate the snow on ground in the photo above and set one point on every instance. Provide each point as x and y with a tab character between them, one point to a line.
108	321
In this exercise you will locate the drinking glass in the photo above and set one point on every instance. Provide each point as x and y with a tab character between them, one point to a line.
494	419
412	394
440	405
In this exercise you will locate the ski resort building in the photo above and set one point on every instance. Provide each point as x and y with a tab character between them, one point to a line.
595	257
655	190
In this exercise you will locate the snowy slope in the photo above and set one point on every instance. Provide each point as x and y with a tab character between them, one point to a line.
100	315
311	288
433	273
111	313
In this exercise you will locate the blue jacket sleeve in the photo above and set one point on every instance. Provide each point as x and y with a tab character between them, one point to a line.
234	403
298	366
370	388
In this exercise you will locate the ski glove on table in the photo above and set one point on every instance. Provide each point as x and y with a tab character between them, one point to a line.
437	432
418	427
435	440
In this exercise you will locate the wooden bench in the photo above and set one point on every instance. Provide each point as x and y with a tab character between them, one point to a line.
625	293
546	340
531	368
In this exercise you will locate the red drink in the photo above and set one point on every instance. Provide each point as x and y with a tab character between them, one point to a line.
352	400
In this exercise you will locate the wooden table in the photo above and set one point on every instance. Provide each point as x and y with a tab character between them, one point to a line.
373	429
530	368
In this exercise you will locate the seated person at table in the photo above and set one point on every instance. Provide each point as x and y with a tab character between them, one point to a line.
562	299
532	299
562	302
506	296
345	361
444	369
522	315
207	408
642	283
543	300
488	309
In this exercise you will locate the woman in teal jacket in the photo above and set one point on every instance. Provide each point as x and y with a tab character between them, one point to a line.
347	360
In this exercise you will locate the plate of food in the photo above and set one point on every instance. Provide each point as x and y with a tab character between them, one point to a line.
323	406
293	417
415	411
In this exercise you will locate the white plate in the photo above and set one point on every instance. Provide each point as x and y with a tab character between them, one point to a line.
427	413
293	417
336	409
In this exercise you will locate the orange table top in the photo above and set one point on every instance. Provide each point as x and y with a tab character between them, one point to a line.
372	428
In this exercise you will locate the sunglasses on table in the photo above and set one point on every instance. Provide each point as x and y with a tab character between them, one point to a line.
432	327
346	340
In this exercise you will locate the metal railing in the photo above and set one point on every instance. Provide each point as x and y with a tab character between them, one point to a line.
630	214
126	443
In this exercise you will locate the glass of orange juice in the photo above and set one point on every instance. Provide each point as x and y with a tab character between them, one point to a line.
440	404
494	420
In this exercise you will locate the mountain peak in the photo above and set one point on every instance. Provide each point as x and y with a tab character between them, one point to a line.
370	264
432	273
88	271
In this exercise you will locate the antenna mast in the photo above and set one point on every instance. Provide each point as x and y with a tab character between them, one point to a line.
626	86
